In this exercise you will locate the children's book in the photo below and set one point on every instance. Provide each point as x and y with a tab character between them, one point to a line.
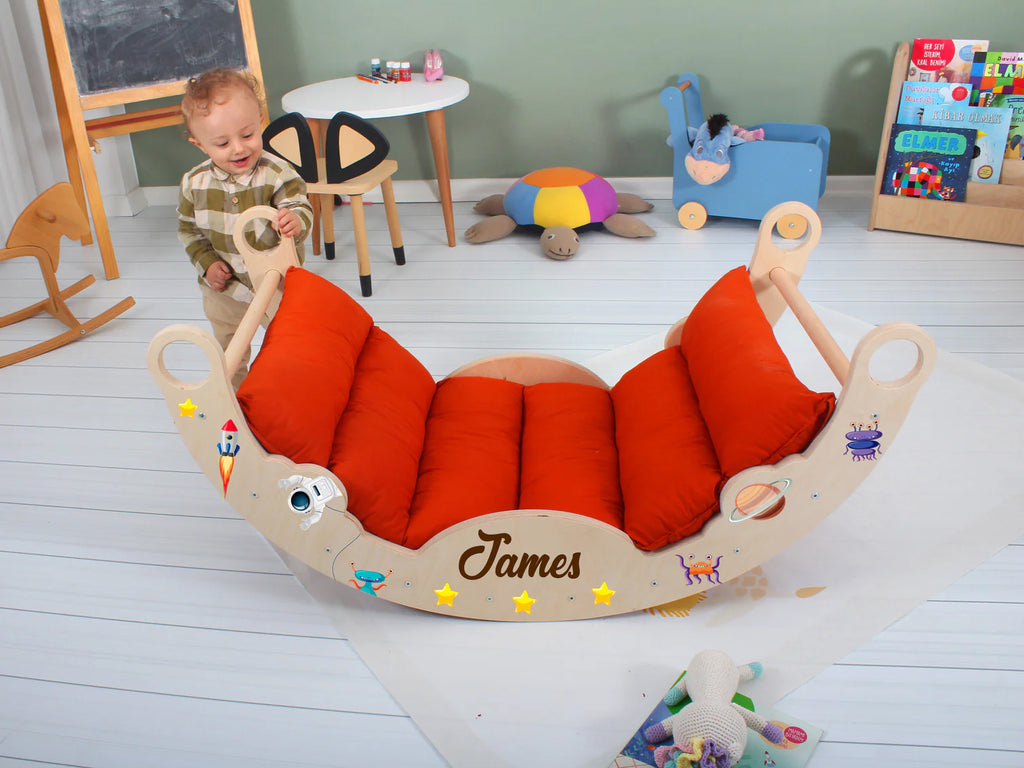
928	162
996	72
917	96
992	125
799	739
943	61
1015	138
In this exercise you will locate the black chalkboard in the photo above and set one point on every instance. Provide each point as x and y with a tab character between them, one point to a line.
123	44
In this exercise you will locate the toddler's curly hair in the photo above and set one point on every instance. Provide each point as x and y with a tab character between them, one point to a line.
202	92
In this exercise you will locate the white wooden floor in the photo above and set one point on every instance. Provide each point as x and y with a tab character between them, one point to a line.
142	623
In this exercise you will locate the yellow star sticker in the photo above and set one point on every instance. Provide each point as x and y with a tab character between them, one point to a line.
188	408
446	596
524	602
602	594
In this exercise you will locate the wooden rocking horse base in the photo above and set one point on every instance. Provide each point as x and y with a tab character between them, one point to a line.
37	233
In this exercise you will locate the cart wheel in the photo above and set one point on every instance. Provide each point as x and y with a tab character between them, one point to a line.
792	226
692	215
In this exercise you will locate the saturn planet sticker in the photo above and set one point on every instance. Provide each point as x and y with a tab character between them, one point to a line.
760	501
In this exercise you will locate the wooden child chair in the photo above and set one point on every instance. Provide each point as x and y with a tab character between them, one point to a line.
37	233
354	162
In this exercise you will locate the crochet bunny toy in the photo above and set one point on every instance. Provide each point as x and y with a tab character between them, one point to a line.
710	731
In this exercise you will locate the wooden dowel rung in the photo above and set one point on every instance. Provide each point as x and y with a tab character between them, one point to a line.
808	318
242	340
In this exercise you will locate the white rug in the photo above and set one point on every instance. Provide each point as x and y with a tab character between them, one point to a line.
943	499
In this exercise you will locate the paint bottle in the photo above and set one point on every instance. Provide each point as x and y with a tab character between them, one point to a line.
375	70
406	72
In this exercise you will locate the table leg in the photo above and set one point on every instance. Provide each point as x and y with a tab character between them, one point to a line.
439	146
317	128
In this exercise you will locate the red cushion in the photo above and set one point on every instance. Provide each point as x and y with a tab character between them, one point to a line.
379	439
470	463
755	407
667	465
569	459
298	385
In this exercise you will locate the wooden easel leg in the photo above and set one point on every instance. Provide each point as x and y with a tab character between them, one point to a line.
66	134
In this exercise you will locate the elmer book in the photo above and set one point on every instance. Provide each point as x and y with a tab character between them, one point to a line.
928	162
996	72
943	61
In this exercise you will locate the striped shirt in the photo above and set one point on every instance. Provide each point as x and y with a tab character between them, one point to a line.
210	201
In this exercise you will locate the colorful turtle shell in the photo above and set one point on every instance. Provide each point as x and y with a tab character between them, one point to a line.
567	197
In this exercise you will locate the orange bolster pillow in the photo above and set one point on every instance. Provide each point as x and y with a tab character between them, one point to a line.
379	439
756	409
470	463
298	385
667	465
569	459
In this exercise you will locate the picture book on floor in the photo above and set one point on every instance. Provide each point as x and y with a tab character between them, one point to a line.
943	61
928	162
799	739
996	72
991	123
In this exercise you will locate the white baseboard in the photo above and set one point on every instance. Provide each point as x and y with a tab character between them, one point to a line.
472	190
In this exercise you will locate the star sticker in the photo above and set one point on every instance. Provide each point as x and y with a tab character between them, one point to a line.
524	602
188	409
602	594
446	596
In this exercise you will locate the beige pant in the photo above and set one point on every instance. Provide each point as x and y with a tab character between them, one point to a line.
225	314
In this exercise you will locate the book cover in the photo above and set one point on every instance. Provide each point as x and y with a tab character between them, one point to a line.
799	740
943	61
996	72
1015	137
928	162
991	123
917	96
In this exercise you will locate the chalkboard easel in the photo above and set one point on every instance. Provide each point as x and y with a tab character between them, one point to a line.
104	53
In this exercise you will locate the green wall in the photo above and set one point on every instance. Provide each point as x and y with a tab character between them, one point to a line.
576	82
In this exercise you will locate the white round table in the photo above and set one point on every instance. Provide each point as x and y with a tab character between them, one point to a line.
319	102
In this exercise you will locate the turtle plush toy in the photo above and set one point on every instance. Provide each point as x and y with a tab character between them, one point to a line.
560	201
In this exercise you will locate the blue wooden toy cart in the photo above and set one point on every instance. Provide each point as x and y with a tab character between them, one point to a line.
790	164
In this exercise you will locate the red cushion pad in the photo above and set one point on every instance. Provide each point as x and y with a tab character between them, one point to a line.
379	439
569	459
298	385
470	463
755	407
667	466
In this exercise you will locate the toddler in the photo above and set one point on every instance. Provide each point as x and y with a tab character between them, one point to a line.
223	117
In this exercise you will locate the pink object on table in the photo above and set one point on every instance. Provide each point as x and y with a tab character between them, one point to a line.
433	67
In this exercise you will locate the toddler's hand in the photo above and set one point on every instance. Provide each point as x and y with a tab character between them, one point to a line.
217	275
288	223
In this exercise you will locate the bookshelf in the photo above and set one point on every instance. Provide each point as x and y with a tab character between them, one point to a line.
991	212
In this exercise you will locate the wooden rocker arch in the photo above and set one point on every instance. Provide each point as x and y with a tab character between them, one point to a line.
544	564
36	233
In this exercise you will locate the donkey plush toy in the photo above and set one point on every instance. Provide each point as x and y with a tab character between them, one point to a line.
708	158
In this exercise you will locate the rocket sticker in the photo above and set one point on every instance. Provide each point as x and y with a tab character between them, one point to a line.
228	448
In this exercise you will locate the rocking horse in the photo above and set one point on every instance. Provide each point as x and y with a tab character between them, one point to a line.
37	233
523	487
